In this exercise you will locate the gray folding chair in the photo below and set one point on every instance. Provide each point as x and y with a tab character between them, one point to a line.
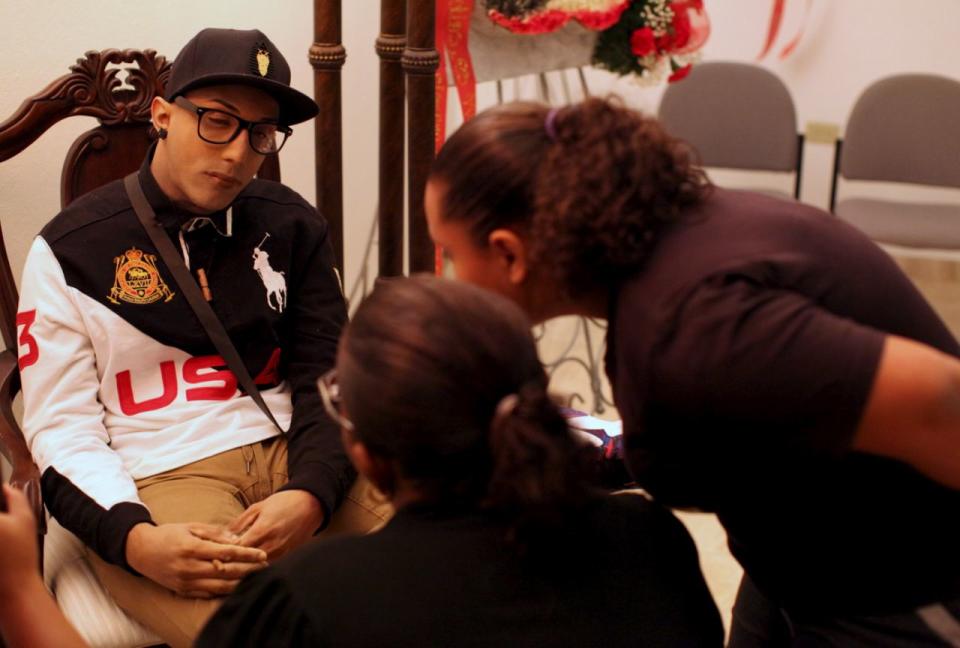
903	129
736	116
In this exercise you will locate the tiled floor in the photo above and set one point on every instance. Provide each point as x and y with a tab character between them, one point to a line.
937	279
720	570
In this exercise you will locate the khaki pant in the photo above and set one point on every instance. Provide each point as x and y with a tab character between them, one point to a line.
215	491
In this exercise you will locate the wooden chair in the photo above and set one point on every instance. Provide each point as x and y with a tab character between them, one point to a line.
119	98
109	151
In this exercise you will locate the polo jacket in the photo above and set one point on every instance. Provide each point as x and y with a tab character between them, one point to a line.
120	380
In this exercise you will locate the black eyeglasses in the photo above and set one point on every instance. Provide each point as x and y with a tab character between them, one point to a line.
219	127
329	390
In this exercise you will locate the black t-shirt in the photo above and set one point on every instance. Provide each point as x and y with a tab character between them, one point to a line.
625	575
741	357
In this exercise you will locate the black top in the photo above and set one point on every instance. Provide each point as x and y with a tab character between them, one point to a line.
627	575
742	356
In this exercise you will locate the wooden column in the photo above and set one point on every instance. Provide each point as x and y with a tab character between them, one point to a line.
327	56
420	61
390	48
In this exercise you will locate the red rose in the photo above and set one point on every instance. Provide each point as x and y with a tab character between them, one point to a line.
642	42
680	73
681	26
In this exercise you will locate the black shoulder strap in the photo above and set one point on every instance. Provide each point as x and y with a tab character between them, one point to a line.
188	285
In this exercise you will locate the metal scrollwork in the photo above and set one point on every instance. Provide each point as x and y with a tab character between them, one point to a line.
579	349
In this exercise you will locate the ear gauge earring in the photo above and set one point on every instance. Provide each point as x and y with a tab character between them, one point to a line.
161	133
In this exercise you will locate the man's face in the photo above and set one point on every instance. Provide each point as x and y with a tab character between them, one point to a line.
199	176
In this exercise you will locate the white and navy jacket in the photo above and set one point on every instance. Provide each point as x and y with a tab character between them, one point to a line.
120	381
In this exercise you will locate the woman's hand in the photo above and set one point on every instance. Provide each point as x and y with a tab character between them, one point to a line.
18	544
29	618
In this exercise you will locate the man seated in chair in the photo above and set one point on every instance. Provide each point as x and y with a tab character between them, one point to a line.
173	477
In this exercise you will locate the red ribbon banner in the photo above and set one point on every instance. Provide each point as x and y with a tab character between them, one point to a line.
776	19
453	44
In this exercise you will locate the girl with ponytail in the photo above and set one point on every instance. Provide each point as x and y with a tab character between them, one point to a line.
497	540
770	363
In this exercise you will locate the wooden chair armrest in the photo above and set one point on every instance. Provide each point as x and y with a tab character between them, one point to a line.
25	475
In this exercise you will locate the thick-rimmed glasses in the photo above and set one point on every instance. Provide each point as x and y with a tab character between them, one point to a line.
219	127
329	390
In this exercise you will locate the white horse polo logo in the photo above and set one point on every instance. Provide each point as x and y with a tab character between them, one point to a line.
273	281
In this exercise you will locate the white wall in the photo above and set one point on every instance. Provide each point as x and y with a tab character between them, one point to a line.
848	44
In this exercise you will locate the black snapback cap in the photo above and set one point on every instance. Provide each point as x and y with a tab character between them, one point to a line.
244	57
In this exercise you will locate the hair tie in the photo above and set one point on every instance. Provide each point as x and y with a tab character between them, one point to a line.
506	408
550	123
521	403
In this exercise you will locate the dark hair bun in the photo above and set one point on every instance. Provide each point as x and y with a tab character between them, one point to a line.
538	469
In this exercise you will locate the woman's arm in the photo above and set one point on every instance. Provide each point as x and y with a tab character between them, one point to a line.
913	410
29	617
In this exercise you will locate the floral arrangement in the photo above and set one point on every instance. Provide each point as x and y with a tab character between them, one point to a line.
652	39
544	16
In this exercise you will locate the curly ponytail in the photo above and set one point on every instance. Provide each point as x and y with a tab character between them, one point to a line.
592	192
538	470
604	190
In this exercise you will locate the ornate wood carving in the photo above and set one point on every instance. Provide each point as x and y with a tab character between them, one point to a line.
91	89
390	46
420	61
327	56
102	155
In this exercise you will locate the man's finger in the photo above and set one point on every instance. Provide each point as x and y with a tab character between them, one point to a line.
213	533
244	520
274	547
220	570
255	535
196	595
207	587
206	550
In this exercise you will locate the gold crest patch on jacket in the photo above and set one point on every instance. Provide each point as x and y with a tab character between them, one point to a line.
137	279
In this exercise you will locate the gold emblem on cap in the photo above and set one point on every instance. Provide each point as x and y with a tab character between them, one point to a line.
263	61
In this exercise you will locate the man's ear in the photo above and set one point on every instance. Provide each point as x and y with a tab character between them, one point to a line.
160	113
509	249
